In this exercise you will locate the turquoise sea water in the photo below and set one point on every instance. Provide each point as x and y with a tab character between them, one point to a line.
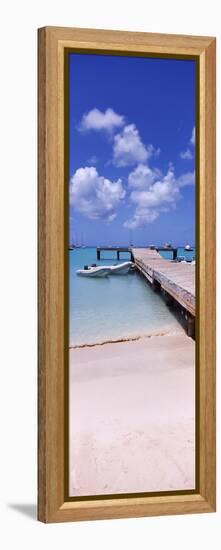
114	307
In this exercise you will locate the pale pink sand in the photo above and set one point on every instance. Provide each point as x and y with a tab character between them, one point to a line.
132	416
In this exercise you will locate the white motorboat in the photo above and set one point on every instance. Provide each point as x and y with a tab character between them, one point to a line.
104	270
188	248
120	269
94	271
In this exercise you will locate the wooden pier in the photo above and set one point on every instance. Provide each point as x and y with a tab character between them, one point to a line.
176	280
116	249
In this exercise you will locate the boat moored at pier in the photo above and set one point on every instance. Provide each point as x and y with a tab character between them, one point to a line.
120	269
93	271
104	270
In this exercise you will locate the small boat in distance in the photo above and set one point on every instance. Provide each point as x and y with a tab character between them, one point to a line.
167	246
188	247
181	259
94	271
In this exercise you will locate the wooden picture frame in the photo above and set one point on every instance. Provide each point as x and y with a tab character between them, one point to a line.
53	506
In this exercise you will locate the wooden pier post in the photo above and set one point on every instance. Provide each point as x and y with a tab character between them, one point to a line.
168	298
174	253
156	286
190	325
98	254
118	254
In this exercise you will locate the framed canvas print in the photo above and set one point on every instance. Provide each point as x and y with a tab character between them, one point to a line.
126	274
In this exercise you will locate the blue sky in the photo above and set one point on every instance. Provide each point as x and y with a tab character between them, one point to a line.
131	150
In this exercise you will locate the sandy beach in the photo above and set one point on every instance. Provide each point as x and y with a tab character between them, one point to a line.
132	416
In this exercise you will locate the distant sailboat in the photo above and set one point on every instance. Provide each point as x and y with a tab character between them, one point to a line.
82	241
71	246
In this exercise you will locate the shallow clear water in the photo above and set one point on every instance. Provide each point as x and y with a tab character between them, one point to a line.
114	307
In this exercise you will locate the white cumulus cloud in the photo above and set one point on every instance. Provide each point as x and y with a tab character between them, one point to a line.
143	176
95	196
162	191
98	120
128	148
188	154
92	160
186	179
193	136
142	216
152	198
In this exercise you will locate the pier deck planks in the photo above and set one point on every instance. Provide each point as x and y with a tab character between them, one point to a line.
177	279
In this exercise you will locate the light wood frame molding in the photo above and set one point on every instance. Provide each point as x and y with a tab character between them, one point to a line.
52	505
